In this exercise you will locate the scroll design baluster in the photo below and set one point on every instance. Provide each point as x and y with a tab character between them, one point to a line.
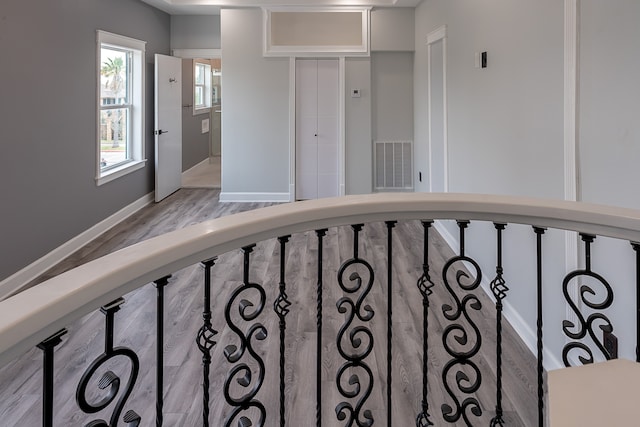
586	326
456	338
205	339
242	372
425	286
281	307
355	361
499	289
109	380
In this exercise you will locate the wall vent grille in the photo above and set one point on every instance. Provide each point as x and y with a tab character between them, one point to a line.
393	162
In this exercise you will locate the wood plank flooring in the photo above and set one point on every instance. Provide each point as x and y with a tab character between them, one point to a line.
20	380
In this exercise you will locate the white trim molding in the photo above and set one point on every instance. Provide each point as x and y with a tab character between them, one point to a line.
254	197
436	35
197	53
316	51
15	282
571	185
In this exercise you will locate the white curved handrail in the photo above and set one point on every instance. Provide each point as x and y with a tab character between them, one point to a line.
34	314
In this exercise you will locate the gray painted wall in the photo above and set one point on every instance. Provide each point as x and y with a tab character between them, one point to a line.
392	29
195	32
255	118
359	163
392	87
195	144
48	119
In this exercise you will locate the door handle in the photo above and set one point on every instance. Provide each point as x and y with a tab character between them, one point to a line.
160	132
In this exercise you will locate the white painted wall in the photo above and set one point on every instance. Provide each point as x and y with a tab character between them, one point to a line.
255	110
609	138
506	135
505	127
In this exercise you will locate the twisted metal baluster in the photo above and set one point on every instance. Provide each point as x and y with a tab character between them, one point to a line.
355	360
48	346
499	289
241	372
281	307
320	233
110	380
425	286
540	344
204	339
457	332
390	226
586	326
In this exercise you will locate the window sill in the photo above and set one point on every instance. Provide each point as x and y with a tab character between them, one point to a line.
123	170
201	111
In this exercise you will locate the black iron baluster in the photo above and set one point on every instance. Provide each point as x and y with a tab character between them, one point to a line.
281	307
160	284
110	380
425	286
241	372
499	290
390	225
540	345
586	326
204	339
455	338
355	360
48	346
636	248
320	233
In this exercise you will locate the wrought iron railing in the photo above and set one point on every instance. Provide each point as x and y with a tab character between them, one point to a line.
38	316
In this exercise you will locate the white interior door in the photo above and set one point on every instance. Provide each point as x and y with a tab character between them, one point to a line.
168	125
317	128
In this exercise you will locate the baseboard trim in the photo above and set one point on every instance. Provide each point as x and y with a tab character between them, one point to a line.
526	333
254	197
15	282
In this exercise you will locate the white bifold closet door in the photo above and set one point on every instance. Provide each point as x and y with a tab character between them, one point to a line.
317	128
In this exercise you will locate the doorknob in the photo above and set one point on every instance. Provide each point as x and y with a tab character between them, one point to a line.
160	132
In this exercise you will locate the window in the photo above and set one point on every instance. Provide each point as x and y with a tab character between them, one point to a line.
201	87
120	133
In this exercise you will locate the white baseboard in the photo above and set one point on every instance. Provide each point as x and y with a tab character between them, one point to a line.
526	333
15	282
254	197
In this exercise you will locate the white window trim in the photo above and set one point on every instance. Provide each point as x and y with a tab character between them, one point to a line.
208	88
138	159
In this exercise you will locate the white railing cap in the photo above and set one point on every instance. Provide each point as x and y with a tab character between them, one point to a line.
36	313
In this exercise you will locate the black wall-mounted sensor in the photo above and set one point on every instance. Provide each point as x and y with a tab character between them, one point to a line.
483	60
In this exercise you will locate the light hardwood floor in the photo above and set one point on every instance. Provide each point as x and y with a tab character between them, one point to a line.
20	394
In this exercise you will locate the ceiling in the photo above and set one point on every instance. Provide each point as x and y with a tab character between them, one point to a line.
212	7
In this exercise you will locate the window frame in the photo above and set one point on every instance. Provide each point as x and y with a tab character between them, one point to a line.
207	87
136	105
